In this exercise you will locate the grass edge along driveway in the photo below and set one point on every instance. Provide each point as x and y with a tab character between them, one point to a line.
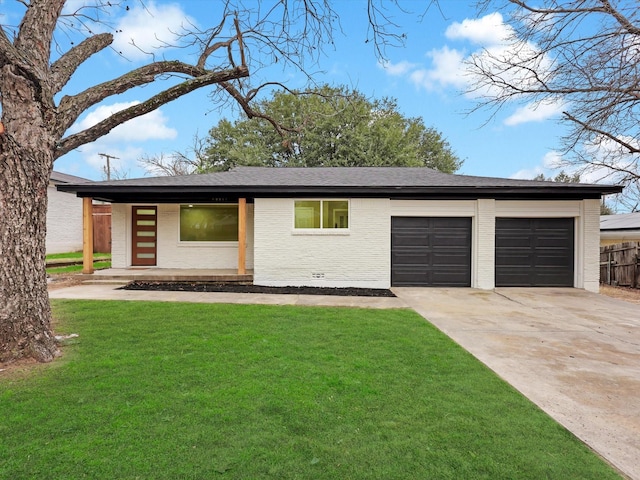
172	390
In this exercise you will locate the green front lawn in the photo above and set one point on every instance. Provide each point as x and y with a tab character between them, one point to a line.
76	268
102	261
73	256
169	390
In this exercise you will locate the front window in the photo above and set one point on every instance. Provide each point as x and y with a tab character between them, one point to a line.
321	214
209	223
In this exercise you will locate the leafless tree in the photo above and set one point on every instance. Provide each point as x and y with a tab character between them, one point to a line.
39	56
584	57
177	163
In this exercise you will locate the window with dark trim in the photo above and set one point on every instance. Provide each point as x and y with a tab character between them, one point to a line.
209	223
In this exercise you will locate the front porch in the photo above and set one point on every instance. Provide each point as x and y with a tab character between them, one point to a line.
154	274
161	254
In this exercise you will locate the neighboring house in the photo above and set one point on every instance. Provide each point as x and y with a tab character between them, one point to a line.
619	228
360	227
64	215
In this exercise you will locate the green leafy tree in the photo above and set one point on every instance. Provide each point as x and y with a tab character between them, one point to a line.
565	177
327	127
562	177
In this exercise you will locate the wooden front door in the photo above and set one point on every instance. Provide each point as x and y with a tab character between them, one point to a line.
144	236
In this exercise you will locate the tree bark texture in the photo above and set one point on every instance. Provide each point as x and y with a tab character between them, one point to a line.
26	162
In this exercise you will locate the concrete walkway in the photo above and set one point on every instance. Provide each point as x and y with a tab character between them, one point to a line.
573	353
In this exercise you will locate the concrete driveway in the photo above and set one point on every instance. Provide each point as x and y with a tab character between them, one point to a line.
574	353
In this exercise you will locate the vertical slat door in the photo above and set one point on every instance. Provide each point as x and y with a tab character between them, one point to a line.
144	231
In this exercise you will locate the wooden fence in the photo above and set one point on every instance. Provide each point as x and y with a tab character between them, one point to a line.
620	264
101	228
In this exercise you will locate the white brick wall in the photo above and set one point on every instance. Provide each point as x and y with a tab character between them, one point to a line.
591	236
538	208
171	252
64	222
484	245
120	235
359	257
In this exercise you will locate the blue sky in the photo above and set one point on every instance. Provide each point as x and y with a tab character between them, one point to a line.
426	76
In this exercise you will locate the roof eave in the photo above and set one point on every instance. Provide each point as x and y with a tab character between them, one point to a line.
172	194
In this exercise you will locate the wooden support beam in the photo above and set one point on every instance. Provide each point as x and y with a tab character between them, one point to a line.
87	235
242	236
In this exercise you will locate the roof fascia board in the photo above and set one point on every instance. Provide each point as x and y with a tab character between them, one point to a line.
89	190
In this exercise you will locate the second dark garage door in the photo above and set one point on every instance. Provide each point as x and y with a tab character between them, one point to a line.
431	251
534	252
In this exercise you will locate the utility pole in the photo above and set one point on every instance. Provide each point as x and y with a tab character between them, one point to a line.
108	167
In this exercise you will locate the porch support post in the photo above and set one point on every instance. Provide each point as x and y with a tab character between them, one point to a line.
87	235
242	236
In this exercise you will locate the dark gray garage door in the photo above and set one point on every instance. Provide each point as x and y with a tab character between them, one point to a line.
431	251
534	252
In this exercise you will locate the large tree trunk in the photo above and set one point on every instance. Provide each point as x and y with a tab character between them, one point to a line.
26	161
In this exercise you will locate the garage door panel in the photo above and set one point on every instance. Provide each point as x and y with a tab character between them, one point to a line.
457	239
431	251
412	238
411	258
514	260
534	252
450	259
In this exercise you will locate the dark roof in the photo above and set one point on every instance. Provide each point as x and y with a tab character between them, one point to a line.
59	177
394	182
624	221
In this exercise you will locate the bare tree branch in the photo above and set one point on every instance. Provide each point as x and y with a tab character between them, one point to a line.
626	145
244	103
102	128
71	107
583	55
63	68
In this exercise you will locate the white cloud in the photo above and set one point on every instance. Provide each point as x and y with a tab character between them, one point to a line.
528	173
495	45
448	70
146	28
486	31
397	69
610	160
151	126
449	66
552	163
124	141
552	160
535	112
549	166
121	163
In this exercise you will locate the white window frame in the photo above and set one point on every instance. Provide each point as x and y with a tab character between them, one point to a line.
203	243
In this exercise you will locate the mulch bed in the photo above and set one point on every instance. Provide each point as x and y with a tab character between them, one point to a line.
242	288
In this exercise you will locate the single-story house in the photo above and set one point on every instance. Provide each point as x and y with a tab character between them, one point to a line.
620	228
372	227
64	215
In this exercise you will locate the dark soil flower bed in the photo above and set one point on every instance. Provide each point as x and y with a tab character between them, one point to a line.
242	288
